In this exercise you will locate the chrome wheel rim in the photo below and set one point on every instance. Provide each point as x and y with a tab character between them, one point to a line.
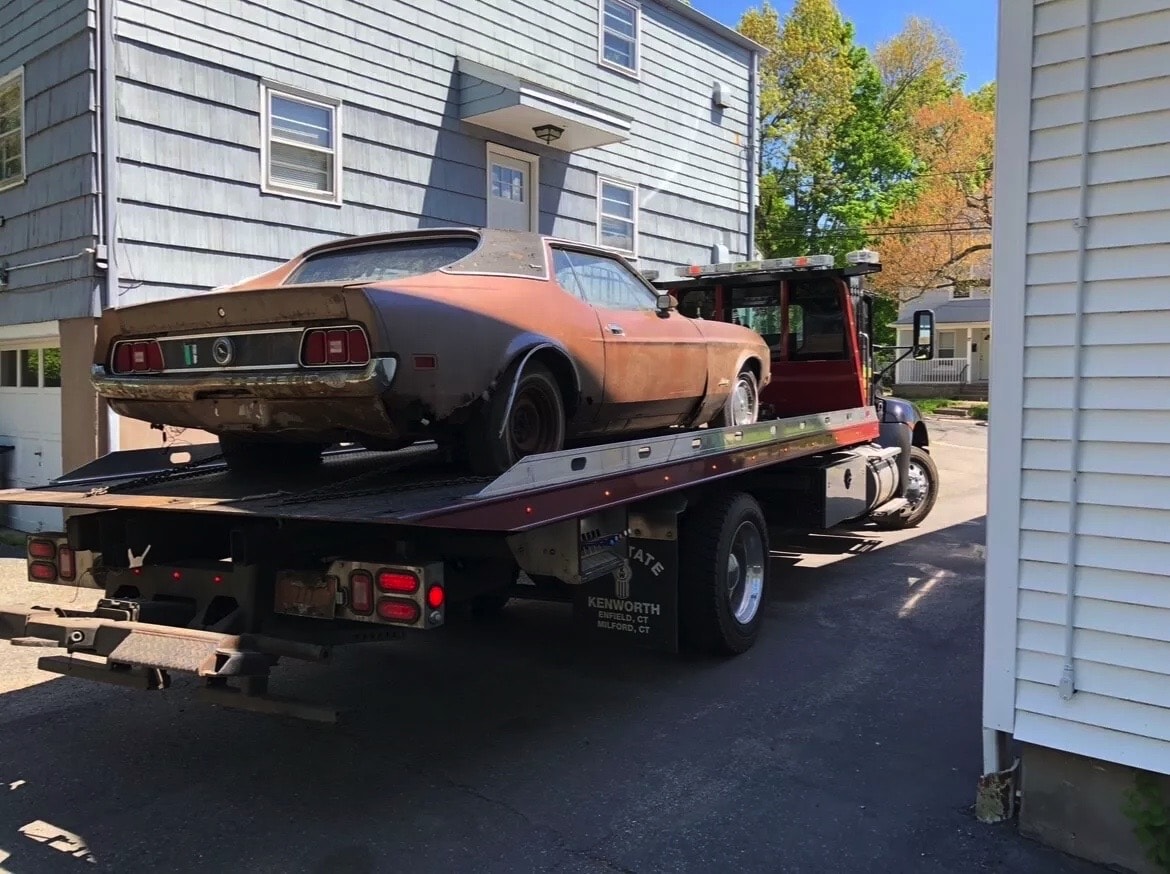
917	485
745	573
745	405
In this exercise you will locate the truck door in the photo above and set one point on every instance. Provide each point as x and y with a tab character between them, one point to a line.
818	367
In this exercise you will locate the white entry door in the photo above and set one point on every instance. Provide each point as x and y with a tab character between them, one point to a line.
513	183
30	422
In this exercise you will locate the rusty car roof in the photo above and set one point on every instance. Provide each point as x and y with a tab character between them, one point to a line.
499	253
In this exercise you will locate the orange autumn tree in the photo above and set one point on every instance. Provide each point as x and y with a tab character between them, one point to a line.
941	237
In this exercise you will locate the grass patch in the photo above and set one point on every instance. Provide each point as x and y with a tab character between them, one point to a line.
11	538
927	406
979	412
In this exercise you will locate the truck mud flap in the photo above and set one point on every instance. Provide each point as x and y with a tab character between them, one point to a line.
637	606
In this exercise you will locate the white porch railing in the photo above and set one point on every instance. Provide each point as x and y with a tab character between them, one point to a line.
940	371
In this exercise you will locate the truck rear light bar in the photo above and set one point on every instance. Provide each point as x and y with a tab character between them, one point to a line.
341	346
50	559
411	596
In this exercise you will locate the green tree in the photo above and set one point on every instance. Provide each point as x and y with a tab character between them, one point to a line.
836	148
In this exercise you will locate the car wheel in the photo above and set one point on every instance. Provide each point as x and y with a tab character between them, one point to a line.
742	406
535	421
250	456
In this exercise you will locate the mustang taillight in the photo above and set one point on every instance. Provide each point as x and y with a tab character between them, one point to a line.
138	356
322	347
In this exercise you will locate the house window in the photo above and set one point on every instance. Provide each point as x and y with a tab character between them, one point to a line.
619	35
30	368
617	221
302	138
946	344
12	129
960	293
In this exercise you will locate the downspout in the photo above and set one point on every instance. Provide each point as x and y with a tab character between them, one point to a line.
1068	674
753	163
107	155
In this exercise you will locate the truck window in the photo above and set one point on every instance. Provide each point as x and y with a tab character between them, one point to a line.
816	321
758	308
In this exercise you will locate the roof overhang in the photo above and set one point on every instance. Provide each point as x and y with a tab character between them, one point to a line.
506	103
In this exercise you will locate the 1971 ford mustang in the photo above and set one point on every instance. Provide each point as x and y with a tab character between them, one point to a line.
496	344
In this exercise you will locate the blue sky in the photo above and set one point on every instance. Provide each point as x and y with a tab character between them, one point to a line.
971	23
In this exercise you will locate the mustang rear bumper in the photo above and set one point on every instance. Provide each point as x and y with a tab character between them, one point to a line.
322	402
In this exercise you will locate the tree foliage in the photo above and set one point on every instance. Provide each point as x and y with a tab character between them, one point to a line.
878	148
942	237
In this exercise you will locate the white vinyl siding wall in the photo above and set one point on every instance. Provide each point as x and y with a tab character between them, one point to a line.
1120	711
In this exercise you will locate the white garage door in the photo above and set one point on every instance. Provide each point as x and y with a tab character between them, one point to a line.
30	421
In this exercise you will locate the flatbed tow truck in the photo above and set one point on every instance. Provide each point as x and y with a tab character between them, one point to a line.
662	542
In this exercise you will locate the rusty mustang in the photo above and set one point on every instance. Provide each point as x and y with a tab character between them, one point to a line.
496	344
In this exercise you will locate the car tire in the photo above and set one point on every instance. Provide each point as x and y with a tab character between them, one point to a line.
250	456
742	406
535	421
923	476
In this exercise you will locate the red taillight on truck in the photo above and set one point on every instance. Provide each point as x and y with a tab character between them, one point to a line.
398	610
334	347
44	549
361	593
397	582
137	356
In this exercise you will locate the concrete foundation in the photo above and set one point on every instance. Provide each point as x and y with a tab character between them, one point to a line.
1076	804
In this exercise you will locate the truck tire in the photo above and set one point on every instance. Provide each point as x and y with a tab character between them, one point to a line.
723	574
921	491
251	456
535	421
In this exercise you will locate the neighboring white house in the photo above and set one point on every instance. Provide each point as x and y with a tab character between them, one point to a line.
1077	631
962	344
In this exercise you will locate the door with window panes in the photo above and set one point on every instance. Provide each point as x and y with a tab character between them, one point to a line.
655	366
30	421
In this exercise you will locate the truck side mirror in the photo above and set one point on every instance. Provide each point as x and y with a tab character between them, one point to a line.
923	335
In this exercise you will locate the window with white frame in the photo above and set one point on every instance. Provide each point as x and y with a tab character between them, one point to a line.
302	138
958	293
947	344
30	367
617	221
619	35
12	128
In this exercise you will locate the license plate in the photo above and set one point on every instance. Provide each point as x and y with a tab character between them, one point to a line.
308	594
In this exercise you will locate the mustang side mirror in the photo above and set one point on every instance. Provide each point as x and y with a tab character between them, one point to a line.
923	335
666	303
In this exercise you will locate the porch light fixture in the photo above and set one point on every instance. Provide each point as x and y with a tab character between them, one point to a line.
548	132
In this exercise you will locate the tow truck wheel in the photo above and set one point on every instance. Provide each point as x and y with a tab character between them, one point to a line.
743	404
723	575
244	455
921	492
535	421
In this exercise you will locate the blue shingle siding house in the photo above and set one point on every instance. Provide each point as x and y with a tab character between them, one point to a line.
215	139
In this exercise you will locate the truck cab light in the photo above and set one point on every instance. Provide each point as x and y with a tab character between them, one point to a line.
436	597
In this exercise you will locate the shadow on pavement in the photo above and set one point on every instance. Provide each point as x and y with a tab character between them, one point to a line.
847	740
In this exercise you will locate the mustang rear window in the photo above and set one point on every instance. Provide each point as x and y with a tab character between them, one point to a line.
379	261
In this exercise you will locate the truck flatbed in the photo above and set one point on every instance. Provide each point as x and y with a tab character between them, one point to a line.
417	487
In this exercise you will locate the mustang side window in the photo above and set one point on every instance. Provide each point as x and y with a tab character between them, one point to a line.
816	321
603	282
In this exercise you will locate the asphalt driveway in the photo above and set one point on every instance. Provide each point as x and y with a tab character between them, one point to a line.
848	740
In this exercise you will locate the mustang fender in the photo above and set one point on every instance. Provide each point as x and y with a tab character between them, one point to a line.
522	349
